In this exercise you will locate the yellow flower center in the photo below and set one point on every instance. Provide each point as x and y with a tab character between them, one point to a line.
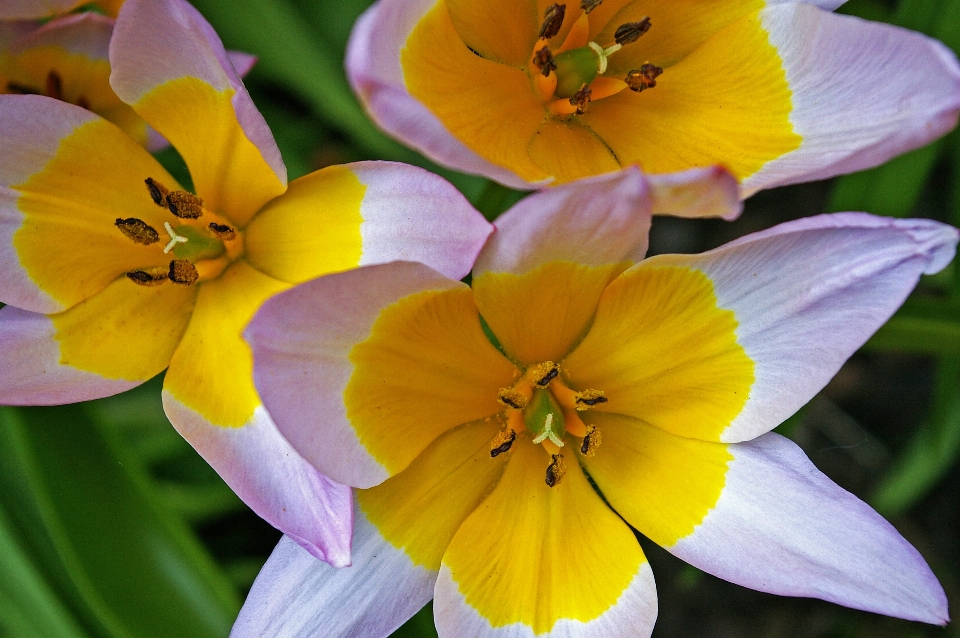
568	79
201	243
541	404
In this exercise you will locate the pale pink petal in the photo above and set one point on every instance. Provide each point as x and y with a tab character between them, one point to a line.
242	62
31	373
373	68
807	294
596	221
782	527
31	128
156	41
863	92
276	482
301	341
296	595
698	192
13	30
410	214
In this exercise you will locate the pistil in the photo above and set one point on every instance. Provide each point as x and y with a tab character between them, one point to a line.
174	238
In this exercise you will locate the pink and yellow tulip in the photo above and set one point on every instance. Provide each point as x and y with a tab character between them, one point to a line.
112	272
505	436
532	93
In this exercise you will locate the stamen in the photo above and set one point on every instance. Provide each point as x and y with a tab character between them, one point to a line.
544	61
222	231
591	441
643	78
54	85
631	31
183	272
158	192
589	398
556	470
581	98
137	230
502	442
153	277
543	373
185	205
589	5
552	21
512	398
83	102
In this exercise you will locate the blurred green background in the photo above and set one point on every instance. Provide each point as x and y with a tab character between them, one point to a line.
112	527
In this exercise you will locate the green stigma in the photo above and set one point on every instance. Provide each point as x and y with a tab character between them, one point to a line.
574	69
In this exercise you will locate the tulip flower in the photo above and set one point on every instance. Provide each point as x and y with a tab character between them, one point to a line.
534	93
504	437
112	271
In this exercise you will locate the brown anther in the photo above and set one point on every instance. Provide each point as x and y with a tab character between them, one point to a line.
184	205
544	373
544	61
556	470
631	31
552	21
581	99
183	272
158	192
222	231
502	443
54	85
591	441
137	230
643	78
589	398
83	102
589	5
153	277
512	398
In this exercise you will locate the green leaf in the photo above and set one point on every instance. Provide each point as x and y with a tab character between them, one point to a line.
28	606
931	453
118	559
420	626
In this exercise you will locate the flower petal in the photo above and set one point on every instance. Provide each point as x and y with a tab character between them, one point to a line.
297	595
66	175
665	351
596	222
32	373
212	369
276	482
500	30
170	66
728	101
420	509
799	318
109	343
583	235
759	514
849	113
391	356
375	72
533	559
365	213
796	533
699	192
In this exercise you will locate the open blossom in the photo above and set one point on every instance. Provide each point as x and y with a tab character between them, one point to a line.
528	93
482	423
112	271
